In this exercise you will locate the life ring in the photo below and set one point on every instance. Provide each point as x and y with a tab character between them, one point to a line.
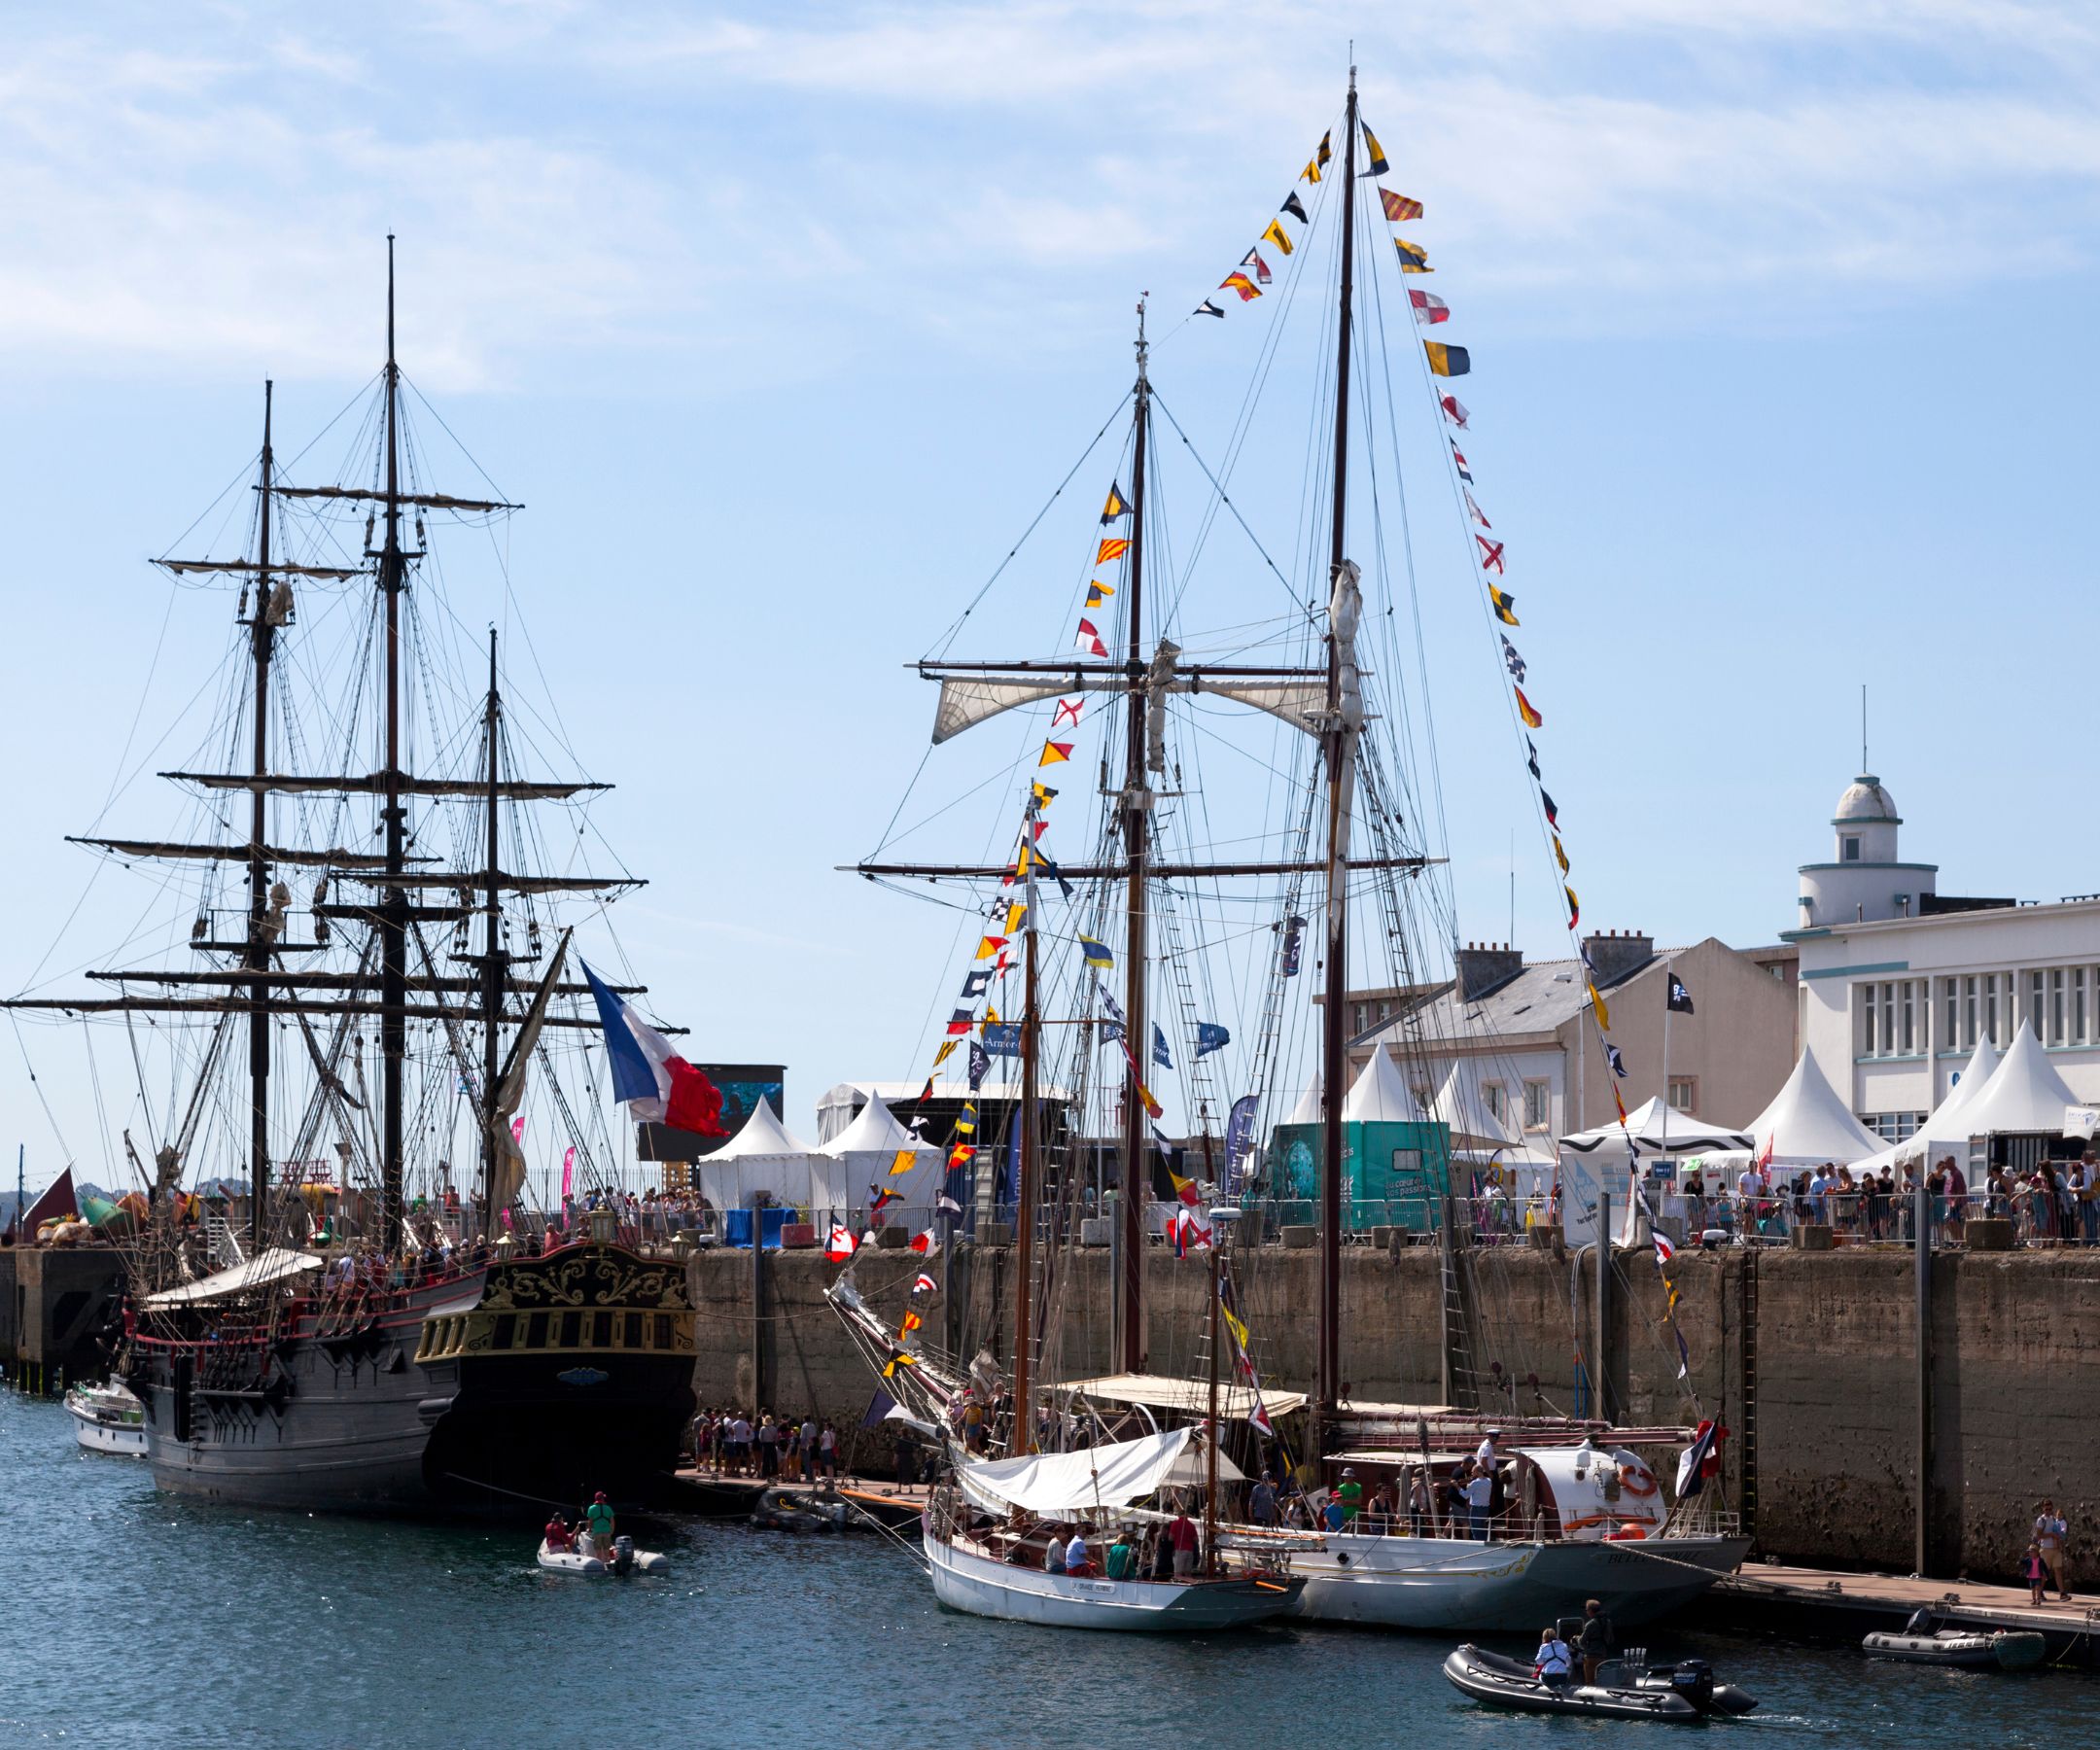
1628	1532
1630	1480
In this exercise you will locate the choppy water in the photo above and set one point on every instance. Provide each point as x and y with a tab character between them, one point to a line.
128	1618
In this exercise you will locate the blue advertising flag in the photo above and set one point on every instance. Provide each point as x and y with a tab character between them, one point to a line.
1160	1054
1003	1040
1210	1037
1239	1143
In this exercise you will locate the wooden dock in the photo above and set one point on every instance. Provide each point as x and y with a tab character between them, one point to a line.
1823	1603
711	1496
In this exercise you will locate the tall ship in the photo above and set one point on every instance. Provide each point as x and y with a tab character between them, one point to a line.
349	1287
1224	816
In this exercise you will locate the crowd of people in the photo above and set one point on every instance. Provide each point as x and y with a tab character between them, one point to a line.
727	1441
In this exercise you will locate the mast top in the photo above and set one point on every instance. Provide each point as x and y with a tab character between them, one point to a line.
389	300
1144	346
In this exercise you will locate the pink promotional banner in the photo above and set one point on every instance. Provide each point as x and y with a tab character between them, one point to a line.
568	1173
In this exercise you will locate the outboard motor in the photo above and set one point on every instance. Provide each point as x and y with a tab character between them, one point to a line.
624	1558
1692	1679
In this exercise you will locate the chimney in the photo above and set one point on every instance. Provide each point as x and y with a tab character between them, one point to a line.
1484	967
1612	955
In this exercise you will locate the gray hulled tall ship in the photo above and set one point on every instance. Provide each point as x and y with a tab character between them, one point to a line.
335	1323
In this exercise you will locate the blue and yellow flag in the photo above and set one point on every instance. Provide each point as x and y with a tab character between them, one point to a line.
1447	360
1378	165
1097	953
1414	257
1098	592
1116	505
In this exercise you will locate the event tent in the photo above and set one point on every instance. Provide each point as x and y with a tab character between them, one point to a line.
761	1157
1308	1108
863	1154
1808	1125
1945	1128
1473	1124
1381	1095
1659	1129
2024	1095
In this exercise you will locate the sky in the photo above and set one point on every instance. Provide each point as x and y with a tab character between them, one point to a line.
783	322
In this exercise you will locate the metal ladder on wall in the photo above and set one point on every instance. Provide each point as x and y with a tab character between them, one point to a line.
1746	1436
1462	1381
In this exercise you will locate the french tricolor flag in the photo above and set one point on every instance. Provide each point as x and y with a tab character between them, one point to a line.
653	1080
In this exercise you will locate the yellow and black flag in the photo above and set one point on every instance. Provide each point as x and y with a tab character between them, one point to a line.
1116	506
1447	360
1277	234
1505	605
1378	165
1414	257
1311	172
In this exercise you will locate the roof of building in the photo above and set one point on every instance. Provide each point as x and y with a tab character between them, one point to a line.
1538	1000
1866	801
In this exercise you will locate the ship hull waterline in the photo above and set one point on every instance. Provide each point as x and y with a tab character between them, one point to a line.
983	1586
1451	1585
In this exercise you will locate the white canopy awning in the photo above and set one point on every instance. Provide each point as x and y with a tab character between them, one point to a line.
2024	1095
1381	1095
1165	1391
1807	1124
274	1265
1657	1129
1096	1478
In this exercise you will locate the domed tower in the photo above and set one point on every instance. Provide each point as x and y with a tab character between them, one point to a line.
1865	881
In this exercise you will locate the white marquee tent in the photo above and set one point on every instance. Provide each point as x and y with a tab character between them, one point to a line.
863	1154
1946	1128
1807	1125
1381	1095
1659	1128
2023	1096
761	1157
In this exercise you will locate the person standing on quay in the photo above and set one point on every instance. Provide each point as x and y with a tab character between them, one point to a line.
2050	1532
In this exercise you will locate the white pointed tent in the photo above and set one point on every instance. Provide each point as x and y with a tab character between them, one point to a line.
761	1157
1459	1104
2024	1095
861	1155
1807	1124
1381	1095
1598	1160
1308	1108
1945	1128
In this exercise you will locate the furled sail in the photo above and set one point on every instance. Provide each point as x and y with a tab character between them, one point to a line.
965	702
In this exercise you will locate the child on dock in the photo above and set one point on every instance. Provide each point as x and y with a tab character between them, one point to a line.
2036	1573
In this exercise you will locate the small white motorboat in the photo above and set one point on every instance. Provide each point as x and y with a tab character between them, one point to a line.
108	1419
582	1559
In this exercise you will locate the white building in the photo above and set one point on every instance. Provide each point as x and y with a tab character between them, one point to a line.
1898	982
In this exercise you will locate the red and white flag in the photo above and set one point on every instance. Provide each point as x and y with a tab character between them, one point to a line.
927	1244
1254	260
926	1284
1089	639
841	1245
1491	554
1430	308
1479	515
1068	712
1665	1251
1454	410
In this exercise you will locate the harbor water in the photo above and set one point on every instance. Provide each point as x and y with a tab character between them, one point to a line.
135	1619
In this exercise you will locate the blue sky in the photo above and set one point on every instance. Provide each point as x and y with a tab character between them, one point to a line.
784	321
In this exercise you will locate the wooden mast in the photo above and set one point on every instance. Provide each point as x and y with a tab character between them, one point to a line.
393	905
1021	1437
263	635
493	961
1210	1427
1136	807
1332	1067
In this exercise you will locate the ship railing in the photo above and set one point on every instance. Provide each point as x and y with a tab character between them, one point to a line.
1549	1527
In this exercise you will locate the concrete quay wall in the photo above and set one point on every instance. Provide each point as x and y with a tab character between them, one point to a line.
2016	1365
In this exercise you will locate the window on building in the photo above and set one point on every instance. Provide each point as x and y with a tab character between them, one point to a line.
1537	1106
1892	1127
1888	1020
2038	1003
1969	1013
2056	1006
1849	853
1384	1011
1906	1030
1492	1099
1990	1007
1363	1017
2077	1007
1777	968
1684	1093
1950	1029
1870	1030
